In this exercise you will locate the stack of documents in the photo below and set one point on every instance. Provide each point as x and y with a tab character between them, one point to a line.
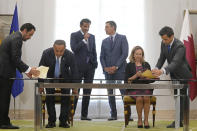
148	74
43	72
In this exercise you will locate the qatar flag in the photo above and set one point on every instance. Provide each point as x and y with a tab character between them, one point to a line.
187	39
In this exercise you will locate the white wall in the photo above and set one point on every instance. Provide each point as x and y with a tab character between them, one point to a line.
41	13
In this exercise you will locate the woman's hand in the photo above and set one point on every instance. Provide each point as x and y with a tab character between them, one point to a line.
138	74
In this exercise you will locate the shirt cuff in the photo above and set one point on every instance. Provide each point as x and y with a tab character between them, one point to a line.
164	71
84	41
28	70
156	68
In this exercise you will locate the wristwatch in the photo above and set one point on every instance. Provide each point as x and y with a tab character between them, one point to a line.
116	67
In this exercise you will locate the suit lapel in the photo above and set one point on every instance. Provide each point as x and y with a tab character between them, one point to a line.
53	59
90	43
80	35
63	62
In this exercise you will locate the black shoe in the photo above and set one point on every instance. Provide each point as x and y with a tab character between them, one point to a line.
181	124
86	118
112	118
172	125
9	126
64	125
147	127
139	126
50	125
130	119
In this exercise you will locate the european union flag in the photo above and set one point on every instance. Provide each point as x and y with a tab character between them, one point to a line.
18	85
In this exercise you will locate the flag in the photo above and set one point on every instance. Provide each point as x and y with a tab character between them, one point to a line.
187	38
18	85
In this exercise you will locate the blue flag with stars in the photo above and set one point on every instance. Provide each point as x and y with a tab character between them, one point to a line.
18	84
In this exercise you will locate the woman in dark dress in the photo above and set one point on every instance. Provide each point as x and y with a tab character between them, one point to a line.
133	73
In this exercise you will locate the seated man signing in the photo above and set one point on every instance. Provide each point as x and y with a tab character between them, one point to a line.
61	64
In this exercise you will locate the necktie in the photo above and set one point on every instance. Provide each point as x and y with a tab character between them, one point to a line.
88	45
168	48
111	38
111	41
57	68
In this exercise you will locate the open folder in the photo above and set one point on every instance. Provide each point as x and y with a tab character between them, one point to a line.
43	72
148	74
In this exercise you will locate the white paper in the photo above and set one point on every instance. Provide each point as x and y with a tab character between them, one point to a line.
43	72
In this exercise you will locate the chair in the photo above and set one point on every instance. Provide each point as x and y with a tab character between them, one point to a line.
128	101
58	101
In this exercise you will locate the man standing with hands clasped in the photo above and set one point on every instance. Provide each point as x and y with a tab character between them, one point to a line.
10	60
114	52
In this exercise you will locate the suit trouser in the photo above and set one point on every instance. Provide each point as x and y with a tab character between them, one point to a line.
65	105
5	94
88	76
112	101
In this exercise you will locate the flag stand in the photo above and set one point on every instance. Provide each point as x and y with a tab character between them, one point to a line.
14	109
191	12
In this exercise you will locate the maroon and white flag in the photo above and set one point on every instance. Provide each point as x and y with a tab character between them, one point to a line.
187	39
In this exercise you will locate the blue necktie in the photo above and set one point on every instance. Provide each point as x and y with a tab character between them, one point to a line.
57	68
168	48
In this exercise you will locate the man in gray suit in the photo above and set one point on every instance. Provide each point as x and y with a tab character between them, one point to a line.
114	51
10	60
174	51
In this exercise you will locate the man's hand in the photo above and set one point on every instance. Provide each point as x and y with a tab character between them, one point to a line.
28	75
74	91
110	70
157	72
41	90
107	69
86	36
34	72
113	69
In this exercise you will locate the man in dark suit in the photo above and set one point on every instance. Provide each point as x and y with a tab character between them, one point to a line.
114	52
173	50
10	60
61	64
84	48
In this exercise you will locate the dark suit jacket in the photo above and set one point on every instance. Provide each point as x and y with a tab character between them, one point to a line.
68	65
115	55
10	56
178	66
81	50
131	70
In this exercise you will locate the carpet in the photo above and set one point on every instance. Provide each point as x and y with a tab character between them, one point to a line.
101	125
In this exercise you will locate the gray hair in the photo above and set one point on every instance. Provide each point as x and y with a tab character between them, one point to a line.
60	42
86	20
112	23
